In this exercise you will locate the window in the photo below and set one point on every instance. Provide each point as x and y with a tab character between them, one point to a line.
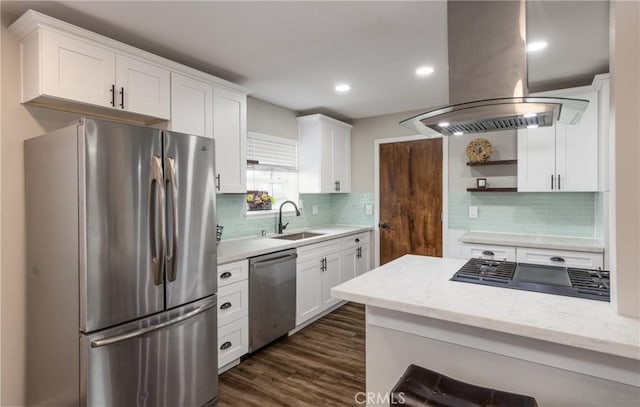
272	172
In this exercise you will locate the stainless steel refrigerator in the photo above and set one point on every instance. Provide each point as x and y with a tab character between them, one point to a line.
121	267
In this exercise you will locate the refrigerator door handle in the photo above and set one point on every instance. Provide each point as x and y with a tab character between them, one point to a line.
156	204
172	191
144	331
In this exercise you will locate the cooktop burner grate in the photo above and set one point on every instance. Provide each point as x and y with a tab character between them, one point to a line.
572	282
489	268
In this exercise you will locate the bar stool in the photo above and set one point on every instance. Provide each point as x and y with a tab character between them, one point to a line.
420	387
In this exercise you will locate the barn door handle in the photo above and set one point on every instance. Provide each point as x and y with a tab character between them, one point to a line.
383	226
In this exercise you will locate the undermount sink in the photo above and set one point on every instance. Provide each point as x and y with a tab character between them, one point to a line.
298	236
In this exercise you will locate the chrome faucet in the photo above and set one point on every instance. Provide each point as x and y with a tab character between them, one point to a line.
282	227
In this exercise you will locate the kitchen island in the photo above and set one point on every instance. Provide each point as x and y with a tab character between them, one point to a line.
561	350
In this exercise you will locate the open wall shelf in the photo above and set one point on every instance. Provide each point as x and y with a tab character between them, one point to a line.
509	189
495	162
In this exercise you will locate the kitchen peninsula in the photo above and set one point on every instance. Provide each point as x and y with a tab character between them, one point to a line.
560	350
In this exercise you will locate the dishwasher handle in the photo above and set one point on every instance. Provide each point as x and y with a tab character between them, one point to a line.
277	260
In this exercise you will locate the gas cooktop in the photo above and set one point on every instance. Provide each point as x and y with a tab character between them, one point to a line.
572	282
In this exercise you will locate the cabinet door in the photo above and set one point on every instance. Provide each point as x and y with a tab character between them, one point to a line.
364	263
327	182
142	88
341	147
577	150
76	70
191	106
330	279
348	264
230	132
536	159
308	289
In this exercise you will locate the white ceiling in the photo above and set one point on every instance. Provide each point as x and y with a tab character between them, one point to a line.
293	53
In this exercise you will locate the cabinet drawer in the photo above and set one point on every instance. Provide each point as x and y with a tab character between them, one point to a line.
233	341
233	302
489	252
361	239
560	258
318	250
232	272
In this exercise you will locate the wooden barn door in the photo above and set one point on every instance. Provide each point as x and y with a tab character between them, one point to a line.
410	199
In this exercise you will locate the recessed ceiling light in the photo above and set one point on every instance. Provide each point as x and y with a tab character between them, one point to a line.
424	70
528	115
532	126
343	87
536	46
443	124
458	133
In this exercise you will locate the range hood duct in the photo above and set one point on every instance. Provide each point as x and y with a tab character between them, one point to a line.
488	75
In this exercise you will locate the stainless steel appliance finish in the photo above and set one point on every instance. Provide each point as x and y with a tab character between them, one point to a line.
121	257
569	281
488	75
146	362
272	297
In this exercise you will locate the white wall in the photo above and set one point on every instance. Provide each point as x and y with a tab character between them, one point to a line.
267	118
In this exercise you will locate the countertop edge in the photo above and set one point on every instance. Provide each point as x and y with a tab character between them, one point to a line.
284	244
578	341
515	240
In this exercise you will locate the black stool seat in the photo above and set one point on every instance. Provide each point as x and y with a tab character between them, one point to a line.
420	387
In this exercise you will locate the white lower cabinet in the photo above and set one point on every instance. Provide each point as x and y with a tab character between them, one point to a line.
489	252
233	312
563	258
322	266
233	341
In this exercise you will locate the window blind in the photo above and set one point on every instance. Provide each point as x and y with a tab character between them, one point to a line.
269	151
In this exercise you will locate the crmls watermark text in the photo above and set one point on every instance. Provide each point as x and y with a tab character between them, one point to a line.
379	398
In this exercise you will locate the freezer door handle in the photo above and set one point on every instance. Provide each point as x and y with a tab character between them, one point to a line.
172	191
144	331
157	217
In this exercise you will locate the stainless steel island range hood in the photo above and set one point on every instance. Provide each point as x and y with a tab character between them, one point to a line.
488	75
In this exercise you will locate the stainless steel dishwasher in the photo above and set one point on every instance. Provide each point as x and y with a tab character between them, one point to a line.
272	297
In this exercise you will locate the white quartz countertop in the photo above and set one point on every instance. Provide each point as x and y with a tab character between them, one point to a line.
545	242
238	249
420	285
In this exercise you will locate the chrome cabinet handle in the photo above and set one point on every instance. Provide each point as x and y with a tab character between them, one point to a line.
157	216
225	305
488	253
557	259
226	274
172	191
153	328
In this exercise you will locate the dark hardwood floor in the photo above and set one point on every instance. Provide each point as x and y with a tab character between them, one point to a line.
322	365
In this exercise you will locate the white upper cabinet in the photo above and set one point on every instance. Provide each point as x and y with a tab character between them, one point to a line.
69	68
564	158
324	152
60	67
191	106
230	134
142	87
